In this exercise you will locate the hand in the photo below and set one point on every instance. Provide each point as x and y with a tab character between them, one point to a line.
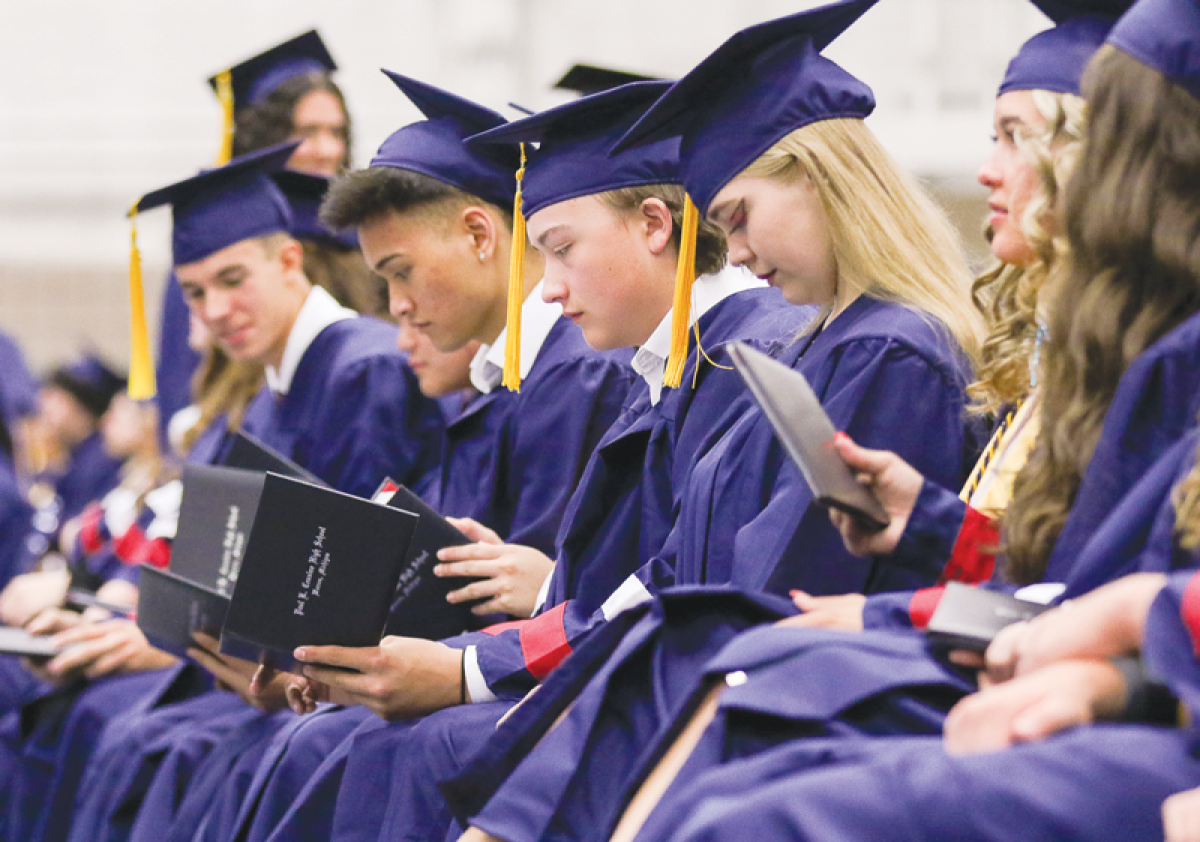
256	685
401	678
113	647
511	575
303	694
843	612
1107	622
1181	816
474	834
895	483
54	620
1034	706
30	594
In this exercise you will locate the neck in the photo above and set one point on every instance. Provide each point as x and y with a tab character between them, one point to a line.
275	356
531	275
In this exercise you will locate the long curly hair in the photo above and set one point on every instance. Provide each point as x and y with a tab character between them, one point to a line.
1133	226
1009	296
270	121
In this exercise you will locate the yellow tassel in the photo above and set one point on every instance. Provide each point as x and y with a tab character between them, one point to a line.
225	97
685	276
141	363
516	289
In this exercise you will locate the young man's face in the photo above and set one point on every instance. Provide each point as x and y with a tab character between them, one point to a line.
436	278
245	298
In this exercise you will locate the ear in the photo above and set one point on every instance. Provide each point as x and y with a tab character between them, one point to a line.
483	230
657	224
291	256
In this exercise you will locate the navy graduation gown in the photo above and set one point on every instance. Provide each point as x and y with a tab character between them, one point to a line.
15	522
90	473
177	361
499	466
353	414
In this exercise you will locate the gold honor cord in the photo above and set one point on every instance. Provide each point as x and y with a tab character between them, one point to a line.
685	276
989	455
516	289
225	97
141	363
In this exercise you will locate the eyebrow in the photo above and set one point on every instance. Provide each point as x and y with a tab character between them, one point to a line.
541	241
1010	121
715	211
383	262
235	269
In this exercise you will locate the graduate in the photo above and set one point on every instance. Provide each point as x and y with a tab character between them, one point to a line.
284	93
609	230
909	687
432	219
340	400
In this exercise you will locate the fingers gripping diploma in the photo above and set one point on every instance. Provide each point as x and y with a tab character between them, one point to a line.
257	685
94	650
1181	816
897	485
401	678
510	575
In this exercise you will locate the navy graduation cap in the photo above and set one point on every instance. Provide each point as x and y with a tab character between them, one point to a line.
253	79
211	211
572	159
90	381
760	85
588	79
1054	60
304	193
1164	35
434	146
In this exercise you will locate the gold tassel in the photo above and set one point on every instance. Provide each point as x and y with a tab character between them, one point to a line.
516	290
141	363
225	97
685	276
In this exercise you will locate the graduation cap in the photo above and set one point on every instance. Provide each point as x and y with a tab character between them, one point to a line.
434	146
1164	35
1054	60
760	85
304	193
572	160
250	81
587	79
211	211
90	381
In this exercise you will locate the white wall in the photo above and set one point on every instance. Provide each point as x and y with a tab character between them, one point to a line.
105	100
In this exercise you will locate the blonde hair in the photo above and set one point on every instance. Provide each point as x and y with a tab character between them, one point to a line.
1010	295
890	240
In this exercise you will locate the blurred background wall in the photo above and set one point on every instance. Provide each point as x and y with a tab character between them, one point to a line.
106	100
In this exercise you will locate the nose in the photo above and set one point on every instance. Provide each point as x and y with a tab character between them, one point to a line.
216	305
554	287
399	304
989	174
330	147
739	253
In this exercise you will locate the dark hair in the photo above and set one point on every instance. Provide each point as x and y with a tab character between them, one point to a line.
271	120
342	272
1133	227
366	195
710	242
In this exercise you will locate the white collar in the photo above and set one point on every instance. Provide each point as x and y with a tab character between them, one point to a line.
320	310
537	320
650	361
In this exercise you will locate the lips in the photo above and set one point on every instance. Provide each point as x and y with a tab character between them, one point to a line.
769	277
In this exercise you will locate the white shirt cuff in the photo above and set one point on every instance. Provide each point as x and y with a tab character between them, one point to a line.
477	688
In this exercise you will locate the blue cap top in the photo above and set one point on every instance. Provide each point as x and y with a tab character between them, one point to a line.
763	83
572	159
1054	60
255	78
304	193
434	146
90	381
1063	10
1163	35
226	205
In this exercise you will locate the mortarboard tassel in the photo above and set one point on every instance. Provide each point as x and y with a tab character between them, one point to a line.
516	290
225	97
685	276
141	364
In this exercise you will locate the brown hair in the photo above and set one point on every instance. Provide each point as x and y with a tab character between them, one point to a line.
710	242
345	276
271	121
1133	225
1009	295
221	385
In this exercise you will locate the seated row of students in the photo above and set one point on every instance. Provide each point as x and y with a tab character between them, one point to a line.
734	511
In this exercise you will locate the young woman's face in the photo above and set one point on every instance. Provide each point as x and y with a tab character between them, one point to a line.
320	124
437	373
778	230
1011	177
605	268
126	426
436	278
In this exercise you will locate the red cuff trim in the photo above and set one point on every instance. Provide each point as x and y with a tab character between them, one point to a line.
1190	610
544	642
498	628
974	553
126	547
153	551
90	539
922	605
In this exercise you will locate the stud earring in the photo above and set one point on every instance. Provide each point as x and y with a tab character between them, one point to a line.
482	255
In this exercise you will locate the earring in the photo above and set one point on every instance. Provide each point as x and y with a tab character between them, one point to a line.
483	255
